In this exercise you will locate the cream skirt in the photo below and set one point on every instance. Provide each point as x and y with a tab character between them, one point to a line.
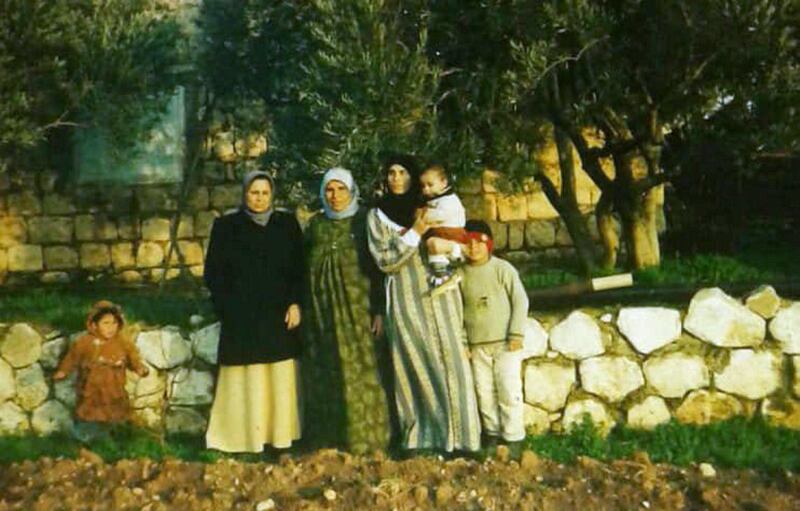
255	405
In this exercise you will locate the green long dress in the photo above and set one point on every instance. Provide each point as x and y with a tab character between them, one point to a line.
343	365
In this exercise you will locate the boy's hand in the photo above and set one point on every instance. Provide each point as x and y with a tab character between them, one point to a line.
514	344
59	375
292	318
144	371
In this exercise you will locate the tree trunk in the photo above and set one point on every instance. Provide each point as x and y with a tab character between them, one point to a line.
641	234
609	233
568	207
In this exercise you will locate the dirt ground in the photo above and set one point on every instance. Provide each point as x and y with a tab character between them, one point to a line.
329	479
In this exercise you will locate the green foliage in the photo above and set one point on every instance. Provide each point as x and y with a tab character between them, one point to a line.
66	309
67	64
713	269
343	82
736	443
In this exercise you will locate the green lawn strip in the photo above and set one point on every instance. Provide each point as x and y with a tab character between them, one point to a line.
66	309
736	443
698	270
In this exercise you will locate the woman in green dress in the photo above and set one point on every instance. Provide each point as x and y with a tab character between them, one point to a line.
345	352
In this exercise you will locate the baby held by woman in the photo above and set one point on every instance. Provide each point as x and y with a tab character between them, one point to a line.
446	241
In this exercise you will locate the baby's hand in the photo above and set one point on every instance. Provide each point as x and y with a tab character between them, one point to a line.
144	371
515	345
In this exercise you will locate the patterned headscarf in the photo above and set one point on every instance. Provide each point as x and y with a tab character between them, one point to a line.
263	217
345	177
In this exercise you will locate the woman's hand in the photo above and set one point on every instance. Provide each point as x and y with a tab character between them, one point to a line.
59	375
423	221
292	318
377	326
144	371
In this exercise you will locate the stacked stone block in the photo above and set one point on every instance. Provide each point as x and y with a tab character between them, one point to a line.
122	235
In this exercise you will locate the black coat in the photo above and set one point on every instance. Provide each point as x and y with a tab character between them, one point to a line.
254	273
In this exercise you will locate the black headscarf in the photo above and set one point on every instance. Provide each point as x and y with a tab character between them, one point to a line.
401	208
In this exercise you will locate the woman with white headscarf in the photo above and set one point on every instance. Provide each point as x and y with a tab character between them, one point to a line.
344	355
254	270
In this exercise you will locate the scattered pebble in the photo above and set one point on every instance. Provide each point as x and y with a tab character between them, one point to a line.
329	494
707	470
265	505
503	453
646	504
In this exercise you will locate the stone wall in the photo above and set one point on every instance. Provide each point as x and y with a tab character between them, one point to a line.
122	234
638	366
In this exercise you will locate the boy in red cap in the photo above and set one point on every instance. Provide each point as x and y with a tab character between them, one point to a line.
495	311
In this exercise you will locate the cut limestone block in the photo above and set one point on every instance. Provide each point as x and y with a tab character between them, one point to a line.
8	386
577	337
764	301
537	421
190	387
594	409
781	412
648	414
649	328
163	349
205	343
611	377
183	420
785	328
32	389
548	383
706	406
535	338
51	417
675	374
722	321
13	419
750	374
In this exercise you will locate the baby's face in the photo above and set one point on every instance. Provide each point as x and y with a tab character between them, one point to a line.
432	184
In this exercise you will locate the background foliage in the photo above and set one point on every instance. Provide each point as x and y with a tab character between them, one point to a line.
66	64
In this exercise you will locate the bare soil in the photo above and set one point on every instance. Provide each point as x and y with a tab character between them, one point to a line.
330	479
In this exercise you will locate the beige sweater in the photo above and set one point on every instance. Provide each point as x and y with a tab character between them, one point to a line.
495	302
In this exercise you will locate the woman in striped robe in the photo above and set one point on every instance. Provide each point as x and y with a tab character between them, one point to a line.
433	385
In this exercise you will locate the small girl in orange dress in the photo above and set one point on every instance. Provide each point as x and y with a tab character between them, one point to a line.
101	358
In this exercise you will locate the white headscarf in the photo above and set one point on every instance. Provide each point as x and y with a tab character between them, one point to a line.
346	177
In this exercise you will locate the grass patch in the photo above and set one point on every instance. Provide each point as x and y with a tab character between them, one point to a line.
66	309
698	270
736	443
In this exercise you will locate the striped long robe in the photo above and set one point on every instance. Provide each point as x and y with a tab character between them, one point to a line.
435	395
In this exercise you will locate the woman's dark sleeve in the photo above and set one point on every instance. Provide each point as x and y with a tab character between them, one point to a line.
215	271
298	268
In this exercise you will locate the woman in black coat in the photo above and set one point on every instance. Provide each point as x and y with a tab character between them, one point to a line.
254	270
